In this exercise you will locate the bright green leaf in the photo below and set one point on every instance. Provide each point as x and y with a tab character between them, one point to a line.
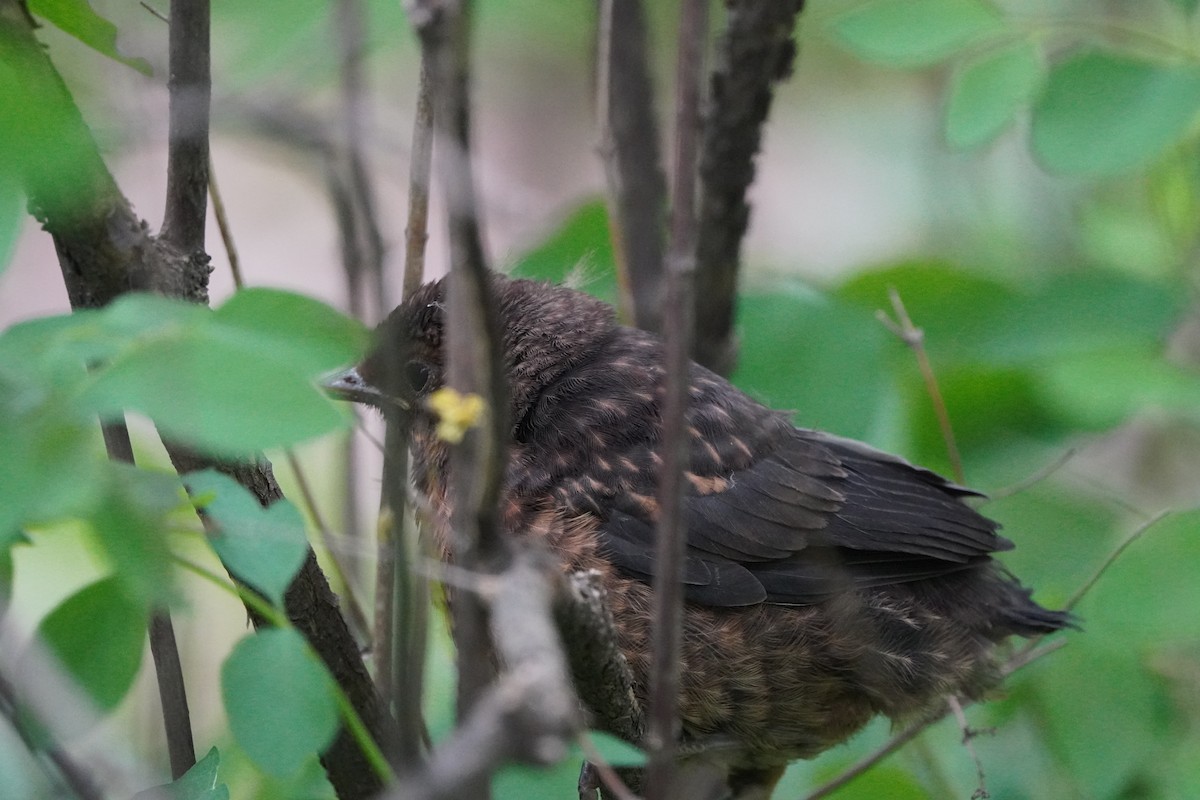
1102	390
987	92
219	390
914	33
1102	113
76	17
264	547
280	700
579	253
198	783
1187	6
306	334
98	635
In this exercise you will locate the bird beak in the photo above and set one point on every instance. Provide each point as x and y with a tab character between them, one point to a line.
349	385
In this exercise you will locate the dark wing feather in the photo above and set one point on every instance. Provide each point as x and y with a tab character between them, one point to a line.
773	512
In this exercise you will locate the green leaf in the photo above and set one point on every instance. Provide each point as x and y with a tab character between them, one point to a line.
49	469
12	216
1102	390
76	18
280	700
6	578
987	92
1102	113
810	352
306	334
579	253
914	33
198	783
1187	6
217	388
98	635
130	522
263	547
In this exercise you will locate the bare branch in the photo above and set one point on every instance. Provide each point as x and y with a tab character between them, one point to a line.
914	338
756	52
637	193
190	86
602	675
531	713
663	723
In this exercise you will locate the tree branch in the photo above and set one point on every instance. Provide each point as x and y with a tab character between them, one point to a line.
637	192
104	251
190	86
663	723
756	51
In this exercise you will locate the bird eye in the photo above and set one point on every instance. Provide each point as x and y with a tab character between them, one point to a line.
418	374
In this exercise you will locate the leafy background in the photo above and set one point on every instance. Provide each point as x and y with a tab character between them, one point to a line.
1024	174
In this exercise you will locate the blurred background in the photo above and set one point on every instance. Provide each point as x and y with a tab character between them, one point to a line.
1060	316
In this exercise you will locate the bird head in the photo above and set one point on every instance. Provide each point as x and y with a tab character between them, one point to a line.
545	330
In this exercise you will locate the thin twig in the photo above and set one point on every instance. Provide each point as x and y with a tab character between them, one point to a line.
168	668
218	206
968	734
416	233
633	165
914	338
154	11
755	52
357	618
1036	478
1124	544
666	627
474	359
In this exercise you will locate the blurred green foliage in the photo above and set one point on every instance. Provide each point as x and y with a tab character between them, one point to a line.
1031	358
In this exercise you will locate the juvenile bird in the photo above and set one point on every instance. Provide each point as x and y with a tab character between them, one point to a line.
826	582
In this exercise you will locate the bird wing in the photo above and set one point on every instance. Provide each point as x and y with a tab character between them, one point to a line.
812	515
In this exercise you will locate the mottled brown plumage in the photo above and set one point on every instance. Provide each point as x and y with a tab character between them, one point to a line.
826	582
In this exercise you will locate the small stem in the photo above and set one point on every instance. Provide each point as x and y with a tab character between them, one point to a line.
914	338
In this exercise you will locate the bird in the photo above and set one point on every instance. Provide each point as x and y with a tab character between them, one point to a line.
825	582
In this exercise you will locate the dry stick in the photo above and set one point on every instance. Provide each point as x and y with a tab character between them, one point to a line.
190	90
402	593
756	52
474	357
633	165
666	629
189	95
1020	659
1036	478
914	338
608	776
967	741
168	669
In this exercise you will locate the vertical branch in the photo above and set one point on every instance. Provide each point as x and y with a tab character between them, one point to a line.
473	348
756	51
668	580
190	86
402	602
633	165
420	170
